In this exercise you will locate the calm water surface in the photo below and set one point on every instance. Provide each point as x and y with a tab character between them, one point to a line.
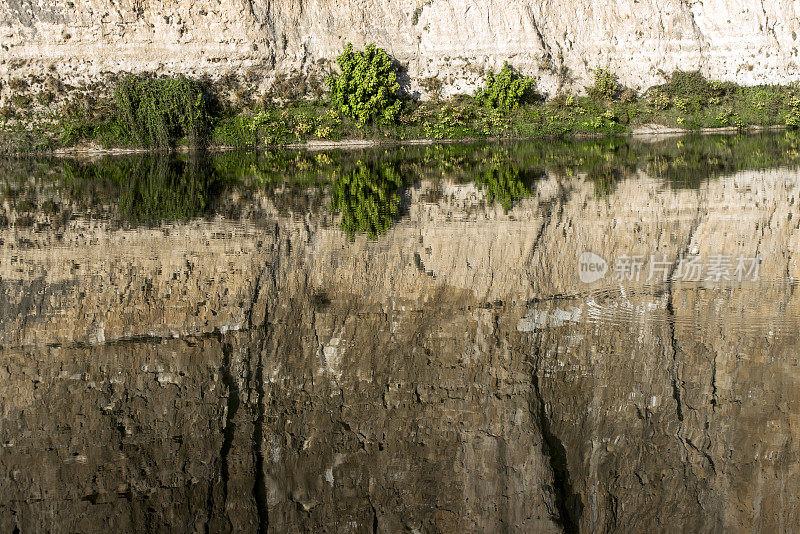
539	336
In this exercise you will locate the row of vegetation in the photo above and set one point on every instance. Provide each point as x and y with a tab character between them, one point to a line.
365	101
366	187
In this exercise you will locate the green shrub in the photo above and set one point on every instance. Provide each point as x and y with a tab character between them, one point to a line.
368	198
693	85
793	117
267	125
237	131
684	105
17	84
21	102
449	121
112	133
606	86
159	111
45	98
366	90
506	90
75	127
7	113
659	100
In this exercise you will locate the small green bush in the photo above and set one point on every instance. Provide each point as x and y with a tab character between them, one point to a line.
659	101
112	133
21	102
238	131
793	117
506	90
45	98
449	121
366	90
74	127
687	104
159	111
17	84
693	85
606	86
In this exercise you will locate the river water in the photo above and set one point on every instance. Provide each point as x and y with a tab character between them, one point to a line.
535	336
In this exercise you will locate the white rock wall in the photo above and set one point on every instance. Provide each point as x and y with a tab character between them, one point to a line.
560	42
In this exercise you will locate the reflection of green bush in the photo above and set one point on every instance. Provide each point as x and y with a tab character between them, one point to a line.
604	178
166	190
368	198
366	185
503	184
146	189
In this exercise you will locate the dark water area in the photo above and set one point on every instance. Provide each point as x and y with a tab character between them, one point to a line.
596	335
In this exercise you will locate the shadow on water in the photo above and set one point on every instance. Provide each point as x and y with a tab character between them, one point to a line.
368	188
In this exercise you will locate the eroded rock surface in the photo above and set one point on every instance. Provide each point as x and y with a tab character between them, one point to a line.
456	41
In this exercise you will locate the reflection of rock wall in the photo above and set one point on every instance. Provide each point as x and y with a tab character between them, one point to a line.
454	375
406	417
90	284
560	42
124	436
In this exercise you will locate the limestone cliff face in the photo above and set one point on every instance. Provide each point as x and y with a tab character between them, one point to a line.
455	375
560	42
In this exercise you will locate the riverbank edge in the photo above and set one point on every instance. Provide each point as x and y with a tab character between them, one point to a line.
647	133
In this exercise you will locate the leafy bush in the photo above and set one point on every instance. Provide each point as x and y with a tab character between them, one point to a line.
45	98
368	198
160	111
694	86
74	127
366	89
606	86
234	131
452	120
793	117
506	90
111	133
7	112
687	105
764	100
659	100
243	130
21	102
17	84
267	125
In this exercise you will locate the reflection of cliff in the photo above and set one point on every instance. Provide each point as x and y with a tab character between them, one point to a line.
453	375
124	436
